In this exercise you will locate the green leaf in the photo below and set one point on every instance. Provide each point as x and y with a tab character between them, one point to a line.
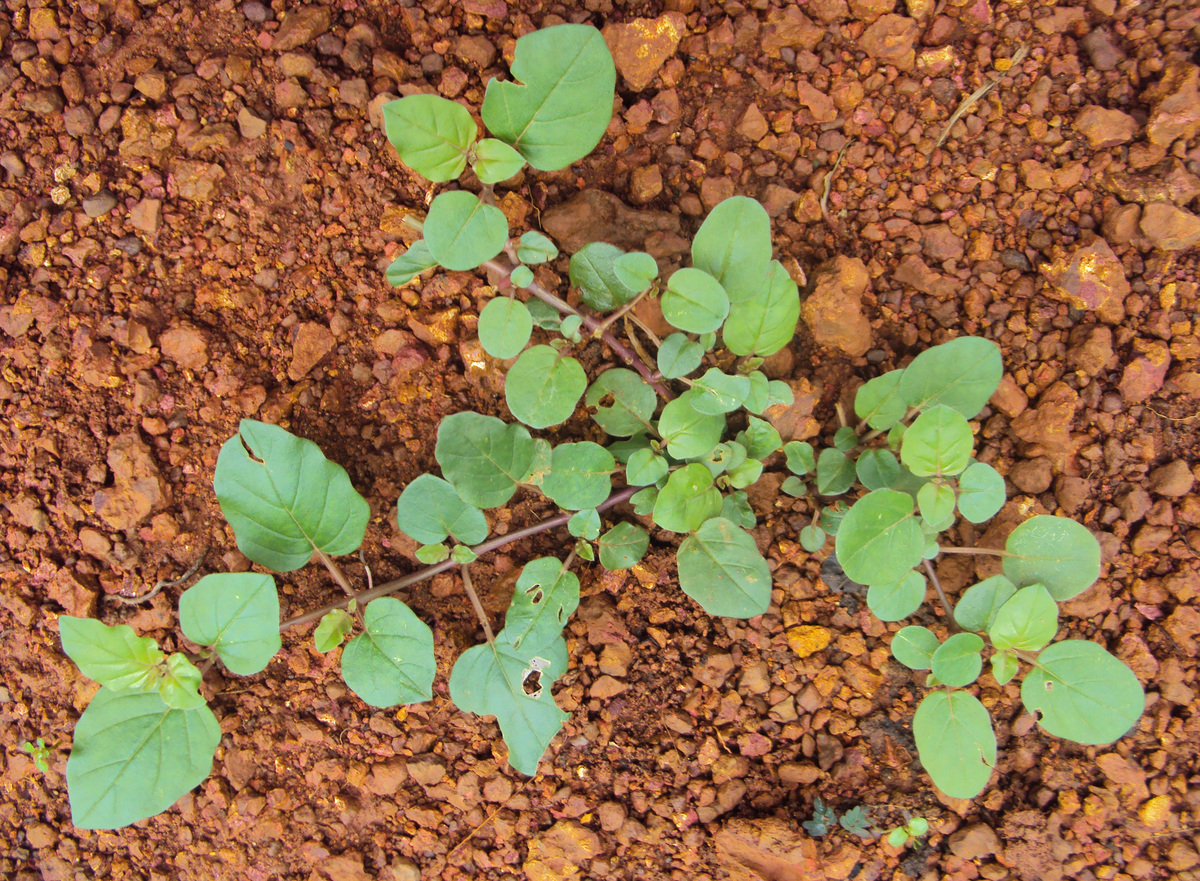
766	322
845	439
623	546
546	595
793	486
832	517
1028	621
522	277
734	246
678	356
504	327
694	301
957	661
134	757
332	630
624	449
979	604
718	392
981	492
284	499
745	474
961	374
584	550
392	661
939	442
799	457
1055	552
113	656
913	646
735	508
878	402
812	538
956	742
580	475
643	500
645	468
1004	667
688	499
898	837
1082	693
898	600
936	503
431	134
780	394
880	539
513	685
593	271
585	524
760	438
624	402
462	555
687	432
462	232
432	554
895	437
430	509
721	569
410	264
543	387
759	397
561	104
636	270
835	472
495	161
569	328
544	315
179	686
534	247
237	616
483	457
877	469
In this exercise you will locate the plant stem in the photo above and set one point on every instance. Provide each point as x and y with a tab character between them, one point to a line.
436	569
870	436
607	322
336	571
470	588
947	608
990	552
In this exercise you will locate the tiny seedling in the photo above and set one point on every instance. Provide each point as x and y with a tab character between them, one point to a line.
822	820
902	836
686	434
39	753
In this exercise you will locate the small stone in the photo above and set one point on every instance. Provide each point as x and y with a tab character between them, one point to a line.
78	121
1175	101
822	106
1169	228
1047	427
290	93
1103	53
914	272
255	11
14	167
940	243
250	125
475	50
715	190
1091	349
152	84
645	182
1121	224
975	842
43	25
598	216
892	39
641	47
297	64
301	27
560	851
777	200
313	342
753	125
99	204
789	28
43	102
1105	128
606	687
869	10
344	867
28	513
146	215
1173	480
833	310
40	836
1090	278
185	345
612	815
138	489
1011	258
1035	175
1032	475
615	659
1145	374
1008	397
806	640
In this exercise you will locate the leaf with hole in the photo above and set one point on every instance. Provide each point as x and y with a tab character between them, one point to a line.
543	387
179	685
688	500
580	475
694	301
1027	622
112	656
496	161
624	402
687	432
956	742
432	135
237	616
981	492
914	646
898	600
504	326
410	264
1083	693
733	245
483	457
285	500
593	271
765	323
1055	552
430	509
980	603
623	546
939	442
546	595
560	104
721	569
961	374
957	661
678	356
392	661
878	402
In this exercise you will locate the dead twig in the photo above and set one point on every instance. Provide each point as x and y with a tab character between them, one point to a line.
978	95
828	185
161	583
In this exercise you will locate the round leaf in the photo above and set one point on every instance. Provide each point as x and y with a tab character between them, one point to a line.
495	161
878	402
391	662
1027	621
504	327
624	402
237	616
765	323
880	539
483	457
878	469
938	443
980	492
800	458
721	569
462	232
636	270
593	271
546	595
284	499
718	392
623	546
936	503
430	509
688	499
689	434
896	601
979	604
913	646
678	356
957	661
431	134
961	374
645	468
835	472
694	301
585	524
543	387
812	538
1083	693
956	742
580	475
1055	552
733	245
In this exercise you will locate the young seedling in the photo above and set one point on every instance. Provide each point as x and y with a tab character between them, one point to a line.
902	836
39	753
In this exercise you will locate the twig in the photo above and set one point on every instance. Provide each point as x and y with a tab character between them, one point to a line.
827	185
161	583
990	552
620	313
465	569
488	819
947	608
979	93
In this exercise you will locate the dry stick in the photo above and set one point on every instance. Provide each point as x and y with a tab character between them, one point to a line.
937	585
161	583
970	101
436	569
991	552
828	185
470	588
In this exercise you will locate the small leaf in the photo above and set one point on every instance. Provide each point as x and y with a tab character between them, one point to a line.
179	686
569	328
1055	552
745	474
878	401
332	630
580	475
645	468
522	277
979	604
1082	693
936	504
957	661
766	322
914	646
721	569
592	270
898	600
938	443
760	438
812	538
800	458
961	374
432	554
643	501
483	457
636	270
504	327
237	616
584	550
546	595
687	432
544	315
112	656
898	837
534	247
718	392
956	742
678	356
543	387
287	500
735	508
835	472
623	546
392	661
780	394
623	450
878	469
845	439
462	232
759	397
733	245
431	134
688	500
1004	667
410	264
981	492
694	301
793	486
495	161
430	509
462	555
1028	621
624	402
585	524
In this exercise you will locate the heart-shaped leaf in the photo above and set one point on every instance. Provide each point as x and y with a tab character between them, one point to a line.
392	661
483	457
721	569
237	616
431	134
430	509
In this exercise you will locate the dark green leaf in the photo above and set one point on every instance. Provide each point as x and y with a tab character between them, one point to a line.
688	500
977	607
980	492
623	546
766	322
835	472
534	247
800	458
636	270
430	509
592	270
898	600
624	402
878	401
687	432
504	327
585	524
961	374
645	468
955	741
877	469
717	392
914	646
580	475
678	356
957	661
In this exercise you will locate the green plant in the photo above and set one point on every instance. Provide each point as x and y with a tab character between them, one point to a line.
822	820
856	821
685	443
39	753
902	836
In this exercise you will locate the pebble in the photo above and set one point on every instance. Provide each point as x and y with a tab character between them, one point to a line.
1105	128
152	84
1175	101
753	125
250	125
645	182
975	842
78	121
940	243
195	181
313	342
1011	258
1173	480
1100	48
1091	349
301	27
642	46
1048	425
1121	224
185	345
1145	374
1169	228
822	106
789	28
1090	278
138	488
146	215
892	40
869	10
597	216
807	639
833	311
255	11
14	167
99	204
